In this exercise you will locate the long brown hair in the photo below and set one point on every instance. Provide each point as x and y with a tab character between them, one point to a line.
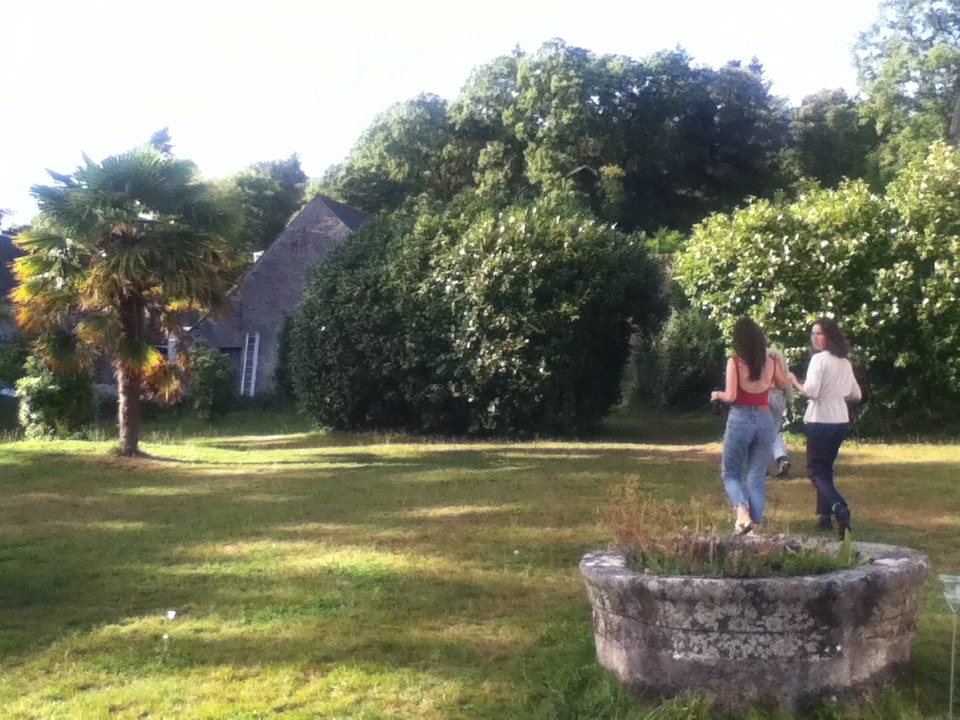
750	345
836	342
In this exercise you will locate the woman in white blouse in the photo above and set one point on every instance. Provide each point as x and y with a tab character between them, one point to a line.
829	386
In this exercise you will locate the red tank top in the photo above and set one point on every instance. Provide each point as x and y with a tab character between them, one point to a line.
748	398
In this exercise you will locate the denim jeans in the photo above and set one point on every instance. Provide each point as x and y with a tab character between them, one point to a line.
823	446
747	449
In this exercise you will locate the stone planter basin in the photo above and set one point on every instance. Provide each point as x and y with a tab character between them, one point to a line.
781	641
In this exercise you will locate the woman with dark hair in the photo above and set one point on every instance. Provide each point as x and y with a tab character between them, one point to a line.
748	439
829	386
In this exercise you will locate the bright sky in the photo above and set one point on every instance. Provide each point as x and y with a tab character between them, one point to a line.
242	82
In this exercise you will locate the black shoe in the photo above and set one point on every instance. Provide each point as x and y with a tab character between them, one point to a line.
842	513
783	468
825	524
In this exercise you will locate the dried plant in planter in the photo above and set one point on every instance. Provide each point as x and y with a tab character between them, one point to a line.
667	538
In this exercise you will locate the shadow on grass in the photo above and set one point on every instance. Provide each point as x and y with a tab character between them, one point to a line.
456	561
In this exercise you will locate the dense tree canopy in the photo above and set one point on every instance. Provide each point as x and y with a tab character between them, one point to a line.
265	196
398	157
909	65
832	142
646	144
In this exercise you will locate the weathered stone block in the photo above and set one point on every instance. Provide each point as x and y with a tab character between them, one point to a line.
759	641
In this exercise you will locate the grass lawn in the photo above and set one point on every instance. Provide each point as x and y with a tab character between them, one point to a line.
350	576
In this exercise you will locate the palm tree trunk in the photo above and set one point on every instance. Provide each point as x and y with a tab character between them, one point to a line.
128	412
128	380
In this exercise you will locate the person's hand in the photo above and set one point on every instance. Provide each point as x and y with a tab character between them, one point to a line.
714	396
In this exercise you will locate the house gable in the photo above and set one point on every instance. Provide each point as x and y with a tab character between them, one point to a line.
274	286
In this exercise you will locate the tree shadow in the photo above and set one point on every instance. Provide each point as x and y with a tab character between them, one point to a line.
347	555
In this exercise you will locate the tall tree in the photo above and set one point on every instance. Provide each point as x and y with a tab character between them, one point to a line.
831	141
909	67
121	248
399	156
266	195
645	144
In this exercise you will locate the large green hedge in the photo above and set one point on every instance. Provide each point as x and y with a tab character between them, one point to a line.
468	319
885	266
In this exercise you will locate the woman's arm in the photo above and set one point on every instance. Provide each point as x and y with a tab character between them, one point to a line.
729	393
780	378
795	381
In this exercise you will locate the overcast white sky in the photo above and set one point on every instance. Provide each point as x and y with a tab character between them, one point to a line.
237	83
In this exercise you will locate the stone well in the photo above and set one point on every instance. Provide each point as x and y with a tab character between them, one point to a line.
780	641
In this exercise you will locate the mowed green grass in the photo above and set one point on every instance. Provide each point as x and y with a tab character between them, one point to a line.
351	576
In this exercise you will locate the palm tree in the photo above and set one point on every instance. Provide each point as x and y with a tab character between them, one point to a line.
121	249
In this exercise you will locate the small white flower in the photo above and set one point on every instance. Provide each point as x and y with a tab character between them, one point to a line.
171	614
516	552
166	636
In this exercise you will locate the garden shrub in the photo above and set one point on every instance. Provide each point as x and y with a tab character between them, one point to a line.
52	404
353	357
213	385
884	266
13	355
472	319
679	366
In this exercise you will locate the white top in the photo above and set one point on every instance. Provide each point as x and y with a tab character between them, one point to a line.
830	383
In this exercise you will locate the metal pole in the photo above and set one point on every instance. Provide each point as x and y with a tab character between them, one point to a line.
953	655
951	593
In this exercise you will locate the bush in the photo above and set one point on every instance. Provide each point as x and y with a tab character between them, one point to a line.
13	355
213	382
678	367
474	320
52	404
350	367
884	266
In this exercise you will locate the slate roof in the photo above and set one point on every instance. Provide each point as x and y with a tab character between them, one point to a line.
353	219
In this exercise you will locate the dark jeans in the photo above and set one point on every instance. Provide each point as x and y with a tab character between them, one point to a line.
823	446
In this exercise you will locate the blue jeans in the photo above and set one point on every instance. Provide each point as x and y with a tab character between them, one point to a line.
747	449
823	446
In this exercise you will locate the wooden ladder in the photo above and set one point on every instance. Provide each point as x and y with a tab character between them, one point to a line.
251	354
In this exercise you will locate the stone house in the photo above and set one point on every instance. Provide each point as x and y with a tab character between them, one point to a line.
272	289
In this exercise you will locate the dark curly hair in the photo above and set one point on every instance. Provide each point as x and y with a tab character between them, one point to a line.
750	345
836	342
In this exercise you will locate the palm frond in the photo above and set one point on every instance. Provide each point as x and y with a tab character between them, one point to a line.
64	353
138	356
102	330
164	382
35	320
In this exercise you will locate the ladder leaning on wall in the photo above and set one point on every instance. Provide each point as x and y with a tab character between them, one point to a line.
251	354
